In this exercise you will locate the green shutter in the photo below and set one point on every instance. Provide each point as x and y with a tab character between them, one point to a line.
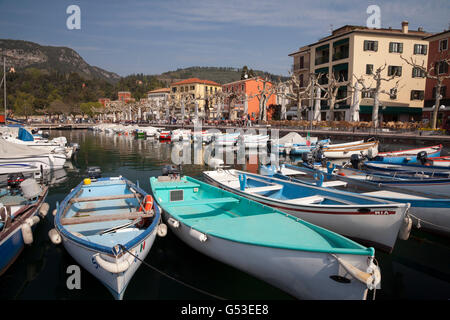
366	45
391	46
375	45
339	67
400	47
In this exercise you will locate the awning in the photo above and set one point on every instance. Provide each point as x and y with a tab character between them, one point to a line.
340	42
326	46
340	67
322	70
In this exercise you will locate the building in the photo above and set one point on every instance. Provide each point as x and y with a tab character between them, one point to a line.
235	109
197	89
438	50
158	95
358	51
104	101
124	96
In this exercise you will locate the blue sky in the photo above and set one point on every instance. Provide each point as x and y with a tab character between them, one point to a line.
152	37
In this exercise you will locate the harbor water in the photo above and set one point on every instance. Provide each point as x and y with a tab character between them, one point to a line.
417	269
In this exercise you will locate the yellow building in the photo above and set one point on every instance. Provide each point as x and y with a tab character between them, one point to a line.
197	89
357	51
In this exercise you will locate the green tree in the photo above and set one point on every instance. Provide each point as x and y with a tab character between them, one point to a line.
23	104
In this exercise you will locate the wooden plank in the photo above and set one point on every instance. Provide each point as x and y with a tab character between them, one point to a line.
105	217
105	198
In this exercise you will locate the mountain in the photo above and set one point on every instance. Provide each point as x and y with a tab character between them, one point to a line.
220	75
24	54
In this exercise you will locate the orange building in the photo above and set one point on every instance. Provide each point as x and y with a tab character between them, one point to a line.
124	96
104	101
251	87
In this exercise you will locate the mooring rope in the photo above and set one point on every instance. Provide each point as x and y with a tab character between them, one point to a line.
170	277
419	220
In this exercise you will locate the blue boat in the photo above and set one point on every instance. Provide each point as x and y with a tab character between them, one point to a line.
21	208
427	211
414	169
408	156
304	260
108	225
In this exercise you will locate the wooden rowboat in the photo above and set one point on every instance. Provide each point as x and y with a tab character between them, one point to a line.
300	258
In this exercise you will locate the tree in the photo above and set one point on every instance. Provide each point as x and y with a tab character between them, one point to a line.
292	90
432	72
377	91
23	104
89	108
331	92
265	92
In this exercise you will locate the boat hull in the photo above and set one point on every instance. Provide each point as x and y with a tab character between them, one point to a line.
376	225
302	274
116	283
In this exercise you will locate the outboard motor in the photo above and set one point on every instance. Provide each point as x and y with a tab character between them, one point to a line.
356	161
422	157
170	170
15	179
318	154
307	157
94	172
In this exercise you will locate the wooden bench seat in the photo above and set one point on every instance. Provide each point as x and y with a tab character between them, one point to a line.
305	200
104	198
202	202
105	217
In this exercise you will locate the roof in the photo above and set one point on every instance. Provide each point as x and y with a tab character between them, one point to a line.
195	80
160	90
243	80
438	35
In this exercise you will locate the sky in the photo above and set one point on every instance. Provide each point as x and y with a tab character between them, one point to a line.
151	37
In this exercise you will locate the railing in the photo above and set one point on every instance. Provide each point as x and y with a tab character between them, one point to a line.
323	59
299	66
340	55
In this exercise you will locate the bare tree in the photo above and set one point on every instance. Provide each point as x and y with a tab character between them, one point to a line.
294	90
265	92
432	72
376	90
331	92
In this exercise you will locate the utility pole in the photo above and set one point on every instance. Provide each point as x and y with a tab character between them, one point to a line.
4	84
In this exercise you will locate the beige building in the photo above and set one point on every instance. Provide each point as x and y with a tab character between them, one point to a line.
197	89
357	51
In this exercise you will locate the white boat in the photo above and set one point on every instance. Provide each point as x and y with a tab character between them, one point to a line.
16	154
345	151
181	135
108	225
302	259
225	139
253	140
366	220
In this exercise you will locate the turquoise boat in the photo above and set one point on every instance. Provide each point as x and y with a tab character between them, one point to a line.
302	259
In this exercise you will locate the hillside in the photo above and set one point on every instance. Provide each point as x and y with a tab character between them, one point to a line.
218	74
24	54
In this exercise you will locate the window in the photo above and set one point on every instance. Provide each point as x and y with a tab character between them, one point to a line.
369	68
393	93
418	72
441	67
192	87
174	89
417	94
395	70
443	45
420	49
300	78
370	45
367	94
182	89
396	47
302	62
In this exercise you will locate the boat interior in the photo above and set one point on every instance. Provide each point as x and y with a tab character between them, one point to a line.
104	213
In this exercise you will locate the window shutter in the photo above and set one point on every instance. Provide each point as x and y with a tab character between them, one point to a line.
366	44
391	46
400	47
412	95
375	46
425	47
399	72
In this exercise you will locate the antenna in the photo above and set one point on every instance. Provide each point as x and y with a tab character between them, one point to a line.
331	28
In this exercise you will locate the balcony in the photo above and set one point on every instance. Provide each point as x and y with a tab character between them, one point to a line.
340	55
322	59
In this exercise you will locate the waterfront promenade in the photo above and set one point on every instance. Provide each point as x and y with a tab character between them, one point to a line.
386	136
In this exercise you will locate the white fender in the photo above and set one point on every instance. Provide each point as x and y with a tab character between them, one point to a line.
174	223
162	230
405	229
43	210
114	267
198	235
371	278
32	221
27	233
54	236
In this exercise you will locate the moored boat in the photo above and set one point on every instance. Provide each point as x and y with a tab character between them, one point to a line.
306	261
20	211
108	225
366	220
409	155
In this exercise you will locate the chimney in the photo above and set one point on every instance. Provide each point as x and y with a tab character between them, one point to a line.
405	26
420	29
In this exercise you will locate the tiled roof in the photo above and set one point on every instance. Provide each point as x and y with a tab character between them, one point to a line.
160	90
195	80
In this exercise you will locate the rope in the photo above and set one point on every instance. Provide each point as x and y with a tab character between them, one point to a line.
170	277
419	219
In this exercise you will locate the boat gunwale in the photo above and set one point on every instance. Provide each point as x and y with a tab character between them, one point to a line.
95	246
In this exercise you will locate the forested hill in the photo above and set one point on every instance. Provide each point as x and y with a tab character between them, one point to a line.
25	54
220	75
